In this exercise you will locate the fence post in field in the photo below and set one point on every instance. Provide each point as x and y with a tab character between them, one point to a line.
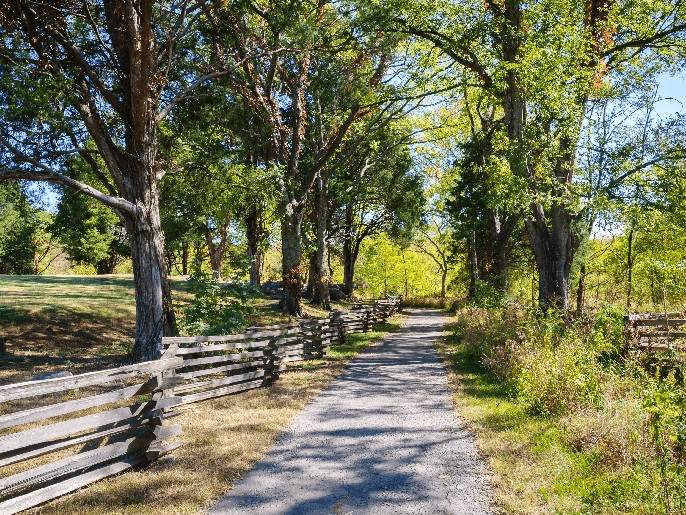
367	319
326	334
319	340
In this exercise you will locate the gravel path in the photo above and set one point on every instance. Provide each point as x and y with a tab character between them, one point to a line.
382	439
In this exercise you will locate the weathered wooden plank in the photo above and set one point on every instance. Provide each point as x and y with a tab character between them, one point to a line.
30	437
157	449
301	357
222	359
662	334
648	316
63	408
52	471
26	501
655	346
224	368
65	444
168	340
220	392
165	432
219	382
61	384
282	350
255	329
184	351
286	341
300	352
659	322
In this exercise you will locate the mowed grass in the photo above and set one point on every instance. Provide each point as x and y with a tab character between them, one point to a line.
222	439
64	323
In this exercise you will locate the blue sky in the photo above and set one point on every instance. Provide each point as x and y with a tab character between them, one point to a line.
673	87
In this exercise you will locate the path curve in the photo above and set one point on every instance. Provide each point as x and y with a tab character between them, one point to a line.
382	439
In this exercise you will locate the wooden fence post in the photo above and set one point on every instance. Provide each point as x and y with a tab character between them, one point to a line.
163	394
271	372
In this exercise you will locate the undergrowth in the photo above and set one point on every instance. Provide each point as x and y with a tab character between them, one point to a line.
594	430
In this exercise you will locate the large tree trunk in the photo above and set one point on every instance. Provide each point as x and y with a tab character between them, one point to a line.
320	293
348	244
184	258
216	252
291	238
554	252
154	313
473	266
497	272
252	224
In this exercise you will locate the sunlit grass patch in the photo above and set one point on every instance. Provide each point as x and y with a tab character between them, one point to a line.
355	342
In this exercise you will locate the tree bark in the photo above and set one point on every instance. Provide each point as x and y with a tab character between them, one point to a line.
473	266
499	252
252	224
184	258
554	252
154	312
348	262
320	280
630	268
291	239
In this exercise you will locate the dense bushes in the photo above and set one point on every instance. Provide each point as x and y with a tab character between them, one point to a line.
622	419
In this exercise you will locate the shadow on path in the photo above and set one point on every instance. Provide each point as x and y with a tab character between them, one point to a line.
382	439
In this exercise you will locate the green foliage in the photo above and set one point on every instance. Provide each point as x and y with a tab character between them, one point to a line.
20	228
666	407
89	231
386	268
216	308
488	296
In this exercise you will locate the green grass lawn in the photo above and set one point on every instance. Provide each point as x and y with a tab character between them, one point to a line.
76	323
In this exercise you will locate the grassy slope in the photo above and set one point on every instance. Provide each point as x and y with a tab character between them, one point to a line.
82	323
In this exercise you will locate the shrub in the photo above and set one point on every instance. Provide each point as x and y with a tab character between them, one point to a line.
216	308
427	302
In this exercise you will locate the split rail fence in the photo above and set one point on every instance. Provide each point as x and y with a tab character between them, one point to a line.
654	332
123	417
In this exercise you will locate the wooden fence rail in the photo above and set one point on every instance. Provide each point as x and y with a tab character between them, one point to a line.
654	332
121	416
